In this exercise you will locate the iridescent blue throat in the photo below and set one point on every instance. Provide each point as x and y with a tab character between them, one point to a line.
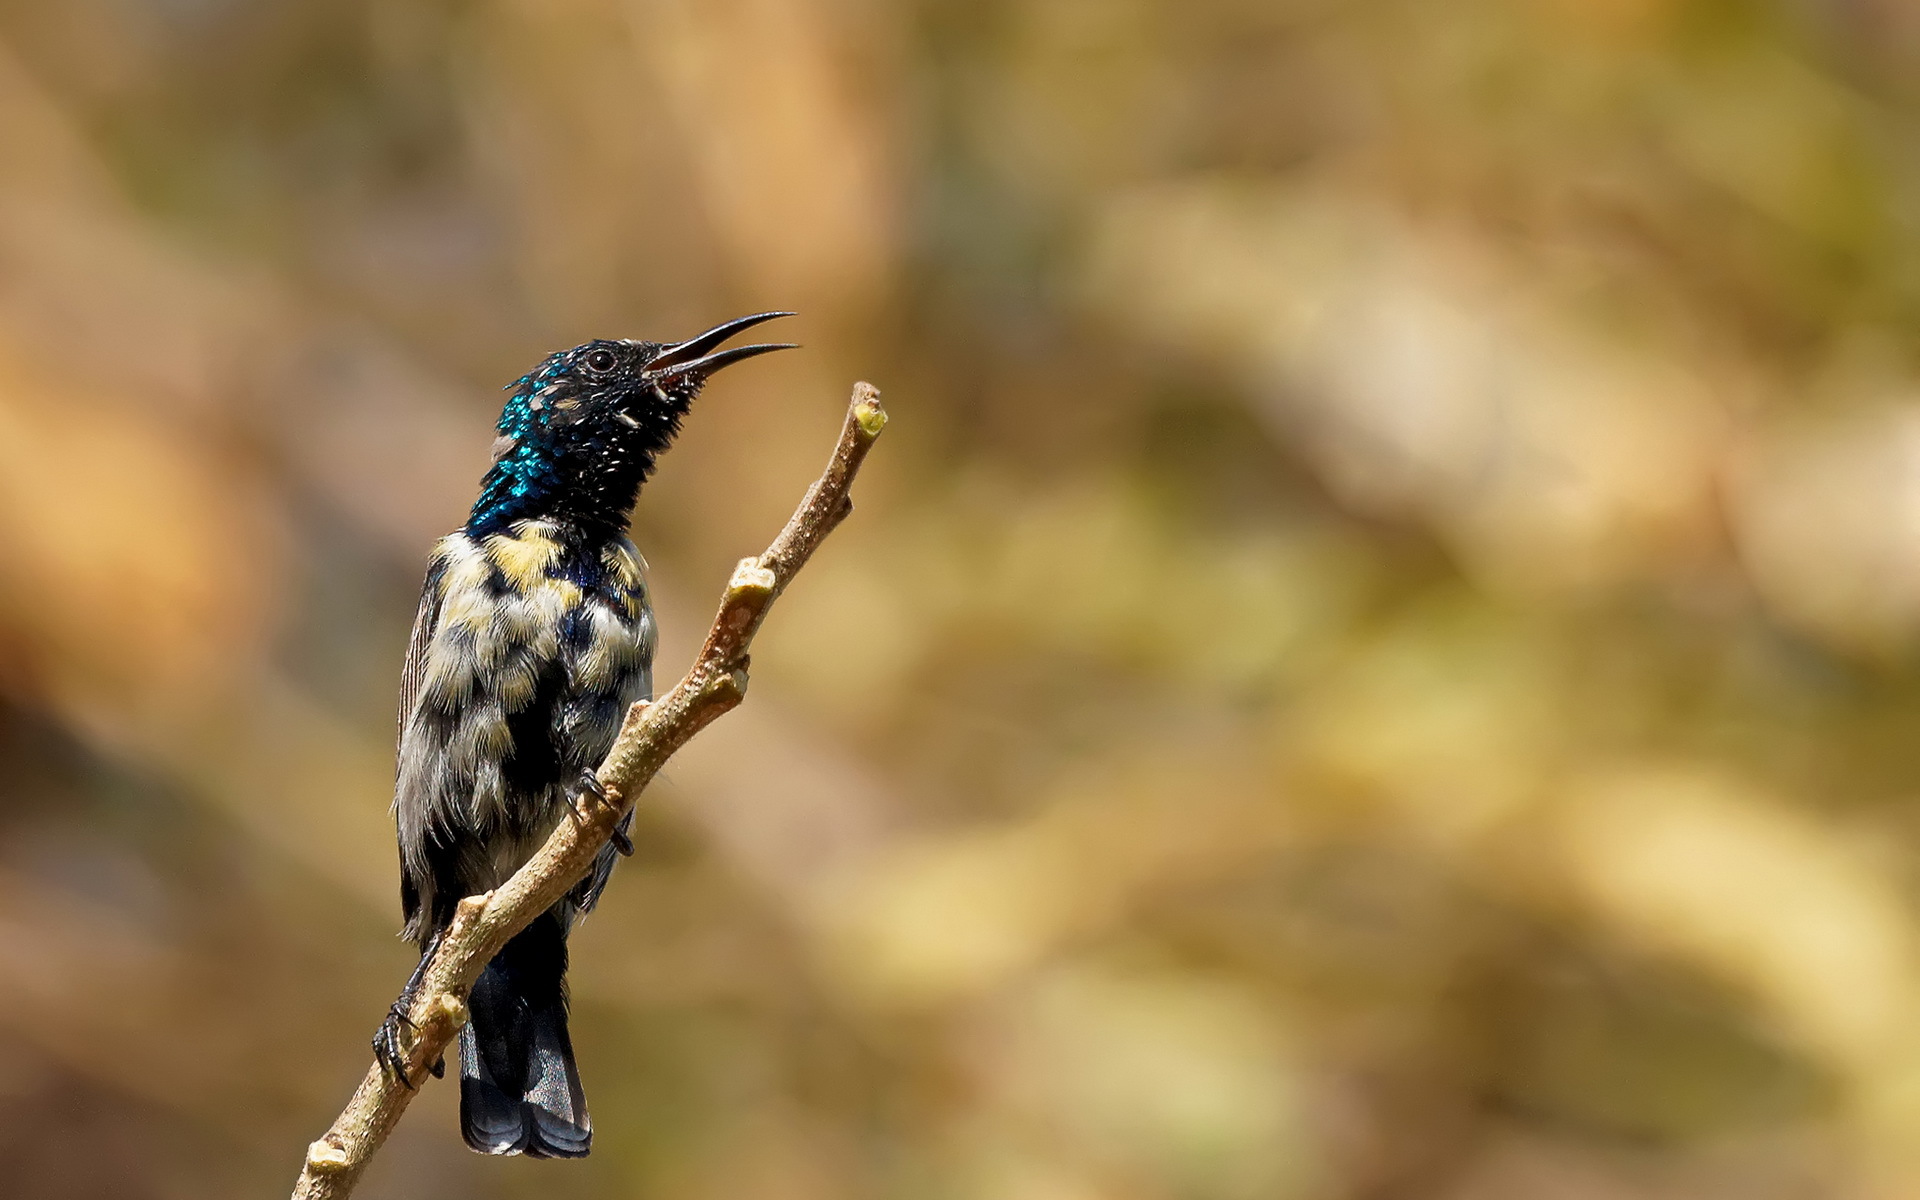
573	457
523	481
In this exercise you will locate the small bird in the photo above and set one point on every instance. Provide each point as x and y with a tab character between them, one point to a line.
533	637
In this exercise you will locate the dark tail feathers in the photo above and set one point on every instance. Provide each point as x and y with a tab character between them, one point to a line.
519	1088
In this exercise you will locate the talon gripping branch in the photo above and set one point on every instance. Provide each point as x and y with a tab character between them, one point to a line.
534	636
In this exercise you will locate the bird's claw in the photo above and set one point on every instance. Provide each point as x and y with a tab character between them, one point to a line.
387	1048
590	785
590	782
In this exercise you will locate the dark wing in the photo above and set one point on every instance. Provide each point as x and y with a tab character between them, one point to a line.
414	666
412	670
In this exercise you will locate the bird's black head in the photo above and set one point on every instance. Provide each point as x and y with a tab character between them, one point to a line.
580	432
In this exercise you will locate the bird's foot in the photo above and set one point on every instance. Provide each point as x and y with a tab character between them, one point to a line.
590	785
388	1048
389	1041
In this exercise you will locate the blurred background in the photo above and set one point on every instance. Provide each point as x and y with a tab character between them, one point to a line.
1376	660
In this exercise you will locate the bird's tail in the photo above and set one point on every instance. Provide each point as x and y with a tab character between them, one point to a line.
519	1088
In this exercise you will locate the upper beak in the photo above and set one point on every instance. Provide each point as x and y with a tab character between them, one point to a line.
691	357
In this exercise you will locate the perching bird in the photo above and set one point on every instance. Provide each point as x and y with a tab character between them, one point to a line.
534	636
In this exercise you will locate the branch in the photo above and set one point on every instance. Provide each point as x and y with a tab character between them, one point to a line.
650	734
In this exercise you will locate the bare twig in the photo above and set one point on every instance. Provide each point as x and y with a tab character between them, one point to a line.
650	734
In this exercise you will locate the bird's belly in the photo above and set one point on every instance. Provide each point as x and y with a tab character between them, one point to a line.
538	720
491	863
524	686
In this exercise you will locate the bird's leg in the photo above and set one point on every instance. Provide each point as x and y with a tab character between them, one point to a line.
590	785
387	1050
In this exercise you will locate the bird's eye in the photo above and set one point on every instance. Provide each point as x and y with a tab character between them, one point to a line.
601	360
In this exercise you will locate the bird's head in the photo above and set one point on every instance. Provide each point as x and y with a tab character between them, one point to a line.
580	432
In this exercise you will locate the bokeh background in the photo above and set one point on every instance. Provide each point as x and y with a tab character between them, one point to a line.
1376	659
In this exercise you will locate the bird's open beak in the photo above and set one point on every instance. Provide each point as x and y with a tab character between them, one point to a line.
691	357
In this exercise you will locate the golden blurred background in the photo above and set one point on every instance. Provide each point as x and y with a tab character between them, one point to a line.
1376	661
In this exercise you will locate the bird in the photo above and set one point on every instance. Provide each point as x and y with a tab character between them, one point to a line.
533	636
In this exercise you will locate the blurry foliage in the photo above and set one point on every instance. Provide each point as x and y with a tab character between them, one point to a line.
1378	661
